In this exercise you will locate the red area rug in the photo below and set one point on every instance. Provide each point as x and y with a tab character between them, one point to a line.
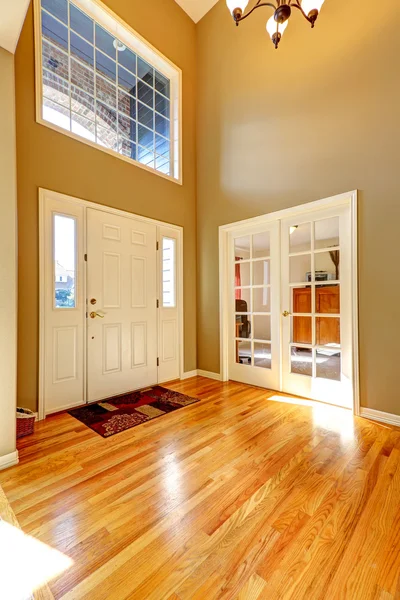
117	414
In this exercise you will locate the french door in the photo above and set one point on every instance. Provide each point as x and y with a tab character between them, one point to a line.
290	304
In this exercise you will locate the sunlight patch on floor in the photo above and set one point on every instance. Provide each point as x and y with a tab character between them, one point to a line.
26	564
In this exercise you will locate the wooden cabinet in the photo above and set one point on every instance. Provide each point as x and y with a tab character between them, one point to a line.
327	301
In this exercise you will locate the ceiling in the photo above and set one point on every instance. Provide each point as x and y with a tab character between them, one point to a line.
13	14
196	9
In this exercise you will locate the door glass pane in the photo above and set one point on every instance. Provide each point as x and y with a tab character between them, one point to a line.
327	299
301	330
327	266
300	268
243	352
328	364
301	299
327	331
262	327
243	326
261	272
262	355
242	300
169	272
242	274
326	233
242	248
261	244
301	361
262	299
64	262
300	238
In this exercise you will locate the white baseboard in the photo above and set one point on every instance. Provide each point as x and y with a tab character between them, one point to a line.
209	374
378	415
8	460
189	374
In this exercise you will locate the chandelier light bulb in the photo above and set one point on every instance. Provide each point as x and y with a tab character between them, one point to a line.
311	5
275	28
234	5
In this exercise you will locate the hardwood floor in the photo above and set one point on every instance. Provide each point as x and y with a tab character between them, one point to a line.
237	497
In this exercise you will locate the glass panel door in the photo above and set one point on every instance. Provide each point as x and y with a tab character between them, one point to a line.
254	329
316	304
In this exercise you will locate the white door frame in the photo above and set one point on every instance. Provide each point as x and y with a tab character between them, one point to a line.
43	195
349	199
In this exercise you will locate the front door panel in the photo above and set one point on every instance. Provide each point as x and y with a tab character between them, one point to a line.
122	304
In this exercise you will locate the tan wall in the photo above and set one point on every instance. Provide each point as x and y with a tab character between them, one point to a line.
315	118
51	160
8	254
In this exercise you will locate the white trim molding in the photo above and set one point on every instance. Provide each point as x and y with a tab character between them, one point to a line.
345	199
209	375
189	374
380	416
9	460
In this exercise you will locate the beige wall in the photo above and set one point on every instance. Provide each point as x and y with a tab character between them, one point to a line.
8	261
315	118
51	160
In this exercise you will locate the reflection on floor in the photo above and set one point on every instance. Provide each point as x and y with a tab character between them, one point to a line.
246	494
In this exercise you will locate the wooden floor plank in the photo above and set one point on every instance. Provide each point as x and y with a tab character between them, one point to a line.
246	495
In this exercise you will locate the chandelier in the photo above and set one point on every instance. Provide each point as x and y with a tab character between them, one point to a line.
277	24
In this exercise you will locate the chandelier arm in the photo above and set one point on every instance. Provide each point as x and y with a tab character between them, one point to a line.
258	5
296	4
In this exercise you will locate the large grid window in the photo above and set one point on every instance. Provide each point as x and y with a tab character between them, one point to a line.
97	88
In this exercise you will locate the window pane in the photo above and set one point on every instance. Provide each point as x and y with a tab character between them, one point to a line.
328	331
106	66
106	116
169	272
301	361
126	104
163	164
162	146
242	300
261	272
127	148
301	330
243	326
55	88
105	42
81	49
128	59
328	364
327	233
146	157
58	8
82	103
127	127
300	238
64	262
242	274
83	127
262	327
145	94
300	268
145	71
56	114
162	105
261	245
242	248
82	77
106	91
107	138
327	265
145	115
145	137
243	352
81	23
54	31
55	60
262	355
127	81
162	84
162	126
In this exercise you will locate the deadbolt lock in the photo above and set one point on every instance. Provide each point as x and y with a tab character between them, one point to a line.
93	301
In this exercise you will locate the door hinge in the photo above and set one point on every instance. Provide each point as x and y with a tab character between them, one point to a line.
157	246
85	257
158	303
158	362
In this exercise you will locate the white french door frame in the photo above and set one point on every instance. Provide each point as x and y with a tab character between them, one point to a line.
347	199
43	231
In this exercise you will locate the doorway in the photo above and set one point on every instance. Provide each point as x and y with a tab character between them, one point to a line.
289	301
111	302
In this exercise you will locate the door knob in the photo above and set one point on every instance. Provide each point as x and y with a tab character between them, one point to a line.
93	315
93	301
285	313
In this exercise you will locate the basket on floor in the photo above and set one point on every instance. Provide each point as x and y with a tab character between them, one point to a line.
25	422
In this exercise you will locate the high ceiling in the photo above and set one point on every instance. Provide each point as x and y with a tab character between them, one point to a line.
196	9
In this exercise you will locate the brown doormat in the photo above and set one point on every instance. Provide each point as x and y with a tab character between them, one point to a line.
117	414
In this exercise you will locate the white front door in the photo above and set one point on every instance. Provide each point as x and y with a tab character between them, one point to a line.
316	306
254	347
122	304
